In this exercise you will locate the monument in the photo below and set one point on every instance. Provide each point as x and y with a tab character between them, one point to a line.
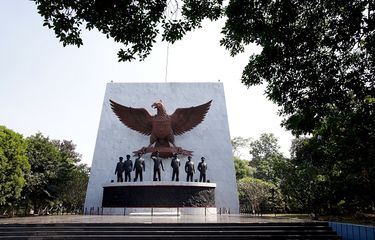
190	121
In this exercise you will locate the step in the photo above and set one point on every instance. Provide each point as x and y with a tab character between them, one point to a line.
232	231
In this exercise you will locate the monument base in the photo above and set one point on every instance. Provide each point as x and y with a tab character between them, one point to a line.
173	198
157	212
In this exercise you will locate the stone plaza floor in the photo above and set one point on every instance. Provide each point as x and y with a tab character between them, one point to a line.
226	218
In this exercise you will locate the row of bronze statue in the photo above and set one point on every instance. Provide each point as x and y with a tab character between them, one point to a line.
139	167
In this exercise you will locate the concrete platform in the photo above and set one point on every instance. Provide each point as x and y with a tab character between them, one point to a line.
233	218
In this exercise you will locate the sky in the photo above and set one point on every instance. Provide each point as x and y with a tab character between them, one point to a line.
59	91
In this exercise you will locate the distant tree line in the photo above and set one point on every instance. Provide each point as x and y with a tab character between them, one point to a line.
39	175
312	180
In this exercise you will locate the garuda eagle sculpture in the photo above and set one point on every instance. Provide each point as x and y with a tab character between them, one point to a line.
161	127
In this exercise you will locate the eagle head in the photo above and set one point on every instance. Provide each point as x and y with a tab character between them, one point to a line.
158	105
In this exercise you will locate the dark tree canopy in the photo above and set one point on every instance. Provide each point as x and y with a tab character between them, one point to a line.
318	63
318	56
134	23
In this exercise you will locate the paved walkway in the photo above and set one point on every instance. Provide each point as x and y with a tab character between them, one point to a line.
233	218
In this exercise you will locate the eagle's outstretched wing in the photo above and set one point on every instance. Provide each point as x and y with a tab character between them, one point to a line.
185	119
138	119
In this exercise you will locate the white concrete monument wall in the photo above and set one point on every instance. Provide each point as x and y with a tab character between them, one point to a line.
210	139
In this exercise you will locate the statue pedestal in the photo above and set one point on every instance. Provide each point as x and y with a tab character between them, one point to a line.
159	198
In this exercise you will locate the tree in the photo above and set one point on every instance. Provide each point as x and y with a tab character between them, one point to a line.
68	150
258	180
239	144
242	168
56	178
136	24
265	157
13	166
40	172
254	192
72	176
318	63
304	186
73	192
316	54
346	143
266	146
341	176
42	182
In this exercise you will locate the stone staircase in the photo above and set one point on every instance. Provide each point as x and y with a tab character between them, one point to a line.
233	231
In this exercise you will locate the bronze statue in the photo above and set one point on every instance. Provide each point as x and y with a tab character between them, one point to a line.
175	164
161	127
189	169
128	167
157	164
202	168
139	167
119	169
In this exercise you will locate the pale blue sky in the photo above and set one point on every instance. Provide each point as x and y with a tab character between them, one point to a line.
59	91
